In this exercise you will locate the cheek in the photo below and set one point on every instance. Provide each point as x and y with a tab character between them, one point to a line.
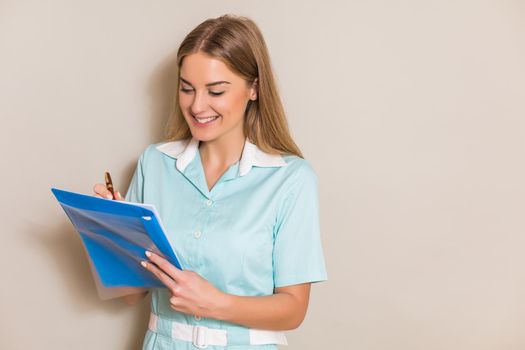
184	100
222	105
233	104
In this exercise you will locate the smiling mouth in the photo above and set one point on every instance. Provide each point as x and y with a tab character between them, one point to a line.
205	120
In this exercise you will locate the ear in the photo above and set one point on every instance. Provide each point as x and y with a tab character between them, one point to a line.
254	90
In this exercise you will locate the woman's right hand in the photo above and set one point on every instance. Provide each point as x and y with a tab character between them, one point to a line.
101	191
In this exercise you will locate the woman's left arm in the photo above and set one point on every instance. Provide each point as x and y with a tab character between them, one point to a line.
194	295
284	310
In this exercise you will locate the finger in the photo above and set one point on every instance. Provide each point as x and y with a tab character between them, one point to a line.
118	196
176	301
161	275
165	265
102	191
179	304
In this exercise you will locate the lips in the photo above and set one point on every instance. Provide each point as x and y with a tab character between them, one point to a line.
205	120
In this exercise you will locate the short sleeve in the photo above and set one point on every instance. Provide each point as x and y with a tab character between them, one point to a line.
135	191
298	254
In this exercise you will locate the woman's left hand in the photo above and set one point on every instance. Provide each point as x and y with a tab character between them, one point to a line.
190	293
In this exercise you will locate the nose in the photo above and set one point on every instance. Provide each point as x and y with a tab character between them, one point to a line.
199	103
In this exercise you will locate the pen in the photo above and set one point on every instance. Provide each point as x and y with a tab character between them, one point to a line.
109	183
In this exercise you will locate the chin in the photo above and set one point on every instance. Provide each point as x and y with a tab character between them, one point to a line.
203	136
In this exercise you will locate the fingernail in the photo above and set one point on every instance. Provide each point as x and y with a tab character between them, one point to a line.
119	195
148	254
108	196
143	263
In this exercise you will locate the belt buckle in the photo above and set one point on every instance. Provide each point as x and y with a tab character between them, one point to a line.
200	337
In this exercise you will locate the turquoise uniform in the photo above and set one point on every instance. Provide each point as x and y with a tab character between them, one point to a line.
255	230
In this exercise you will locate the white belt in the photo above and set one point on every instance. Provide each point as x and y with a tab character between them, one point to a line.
202	336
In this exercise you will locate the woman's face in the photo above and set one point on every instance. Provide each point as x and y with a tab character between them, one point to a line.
212	98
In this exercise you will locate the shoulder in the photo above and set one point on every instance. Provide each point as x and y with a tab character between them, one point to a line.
299	174
299	190
298	168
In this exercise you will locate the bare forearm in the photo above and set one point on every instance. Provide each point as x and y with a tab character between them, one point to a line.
193	295
280	311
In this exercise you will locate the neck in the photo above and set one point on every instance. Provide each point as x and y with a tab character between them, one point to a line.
222	152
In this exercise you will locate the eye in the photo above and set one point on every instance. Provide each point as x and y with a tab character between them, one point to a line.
213	93
186	91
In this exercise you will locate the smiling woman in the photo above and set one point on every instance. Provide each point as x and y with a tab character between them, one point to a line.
215	101
238	201
228	56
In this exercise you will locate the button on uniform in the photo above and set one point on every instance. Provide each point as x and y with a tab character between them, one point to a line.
197	318
209	202
197	234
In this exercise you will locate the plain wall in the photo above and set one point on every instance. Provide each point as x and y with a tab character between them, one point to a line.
411	112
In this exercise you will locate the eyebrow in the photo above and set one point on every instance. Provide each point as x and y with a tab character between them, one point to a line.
209	84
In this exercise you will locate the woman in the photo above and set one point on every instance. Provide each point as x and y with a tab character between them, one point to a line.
236	197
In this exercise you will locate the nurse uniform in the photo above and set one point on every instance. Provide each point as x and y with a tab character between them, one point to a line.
257	229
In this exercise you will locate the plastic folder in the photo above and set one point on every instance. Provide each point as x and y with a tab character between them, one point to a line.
115	235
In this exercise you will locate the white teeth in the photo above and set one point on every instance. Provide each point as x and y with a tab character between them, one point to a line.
206	120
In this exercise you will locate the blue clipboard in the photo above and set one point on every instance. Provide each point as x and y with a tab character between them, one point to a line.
115	235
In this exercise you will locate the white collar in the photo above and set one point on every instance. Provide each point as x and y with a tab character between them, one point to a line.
186	150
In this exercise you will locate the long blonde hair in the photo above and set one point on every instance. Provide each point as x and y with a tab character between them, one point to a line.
238	42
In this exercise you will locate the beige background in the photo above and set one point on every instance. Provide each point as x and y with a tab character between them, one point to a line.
411	112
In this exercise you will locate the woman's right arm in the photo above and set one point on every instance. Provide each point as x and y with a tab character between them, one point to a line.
138	293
